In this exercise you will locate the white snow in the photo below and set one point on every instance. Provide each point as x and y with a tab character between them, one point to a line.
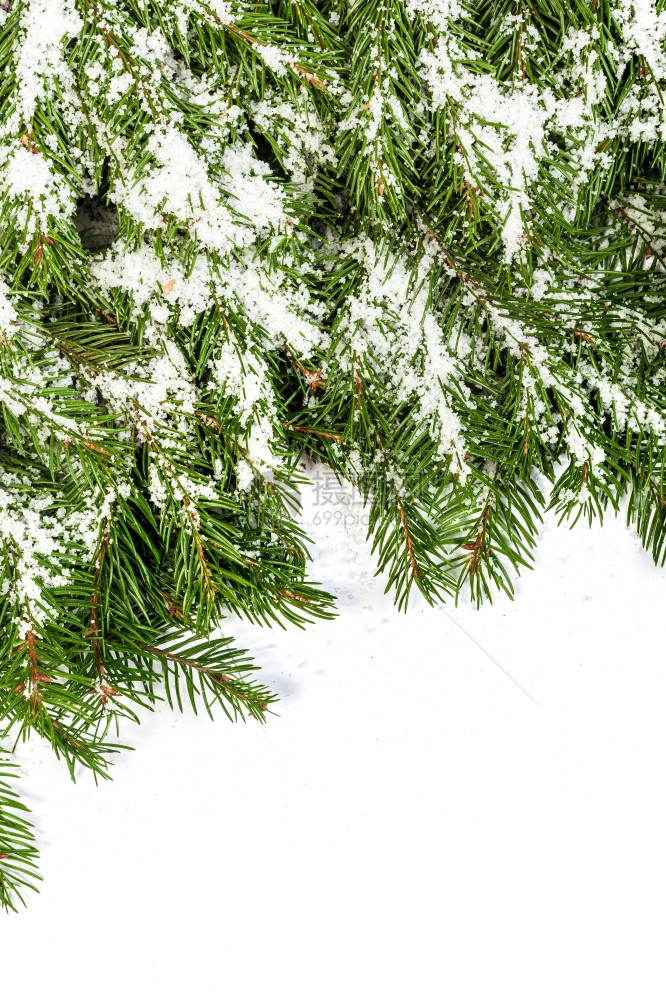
411	825
450	801
39	57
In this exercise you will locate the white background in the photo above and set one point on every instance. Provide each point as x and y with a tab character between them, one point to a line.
453	803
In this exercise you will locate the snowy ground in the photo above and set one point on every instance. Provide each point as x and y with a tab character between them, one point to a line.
452	804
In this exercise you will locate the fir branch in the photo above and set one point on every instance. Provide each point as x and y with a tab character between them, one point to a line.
214	673
421	242
18	853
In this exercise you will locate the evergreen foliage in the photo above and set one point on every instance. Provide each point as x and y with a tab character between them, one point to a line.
421	240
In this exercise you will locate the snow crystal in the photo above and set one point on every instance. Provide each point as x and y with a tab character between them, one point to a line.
418	361
222	8
274	57
39	58
303	136
8	315
37	540
243	377
259	200
30	180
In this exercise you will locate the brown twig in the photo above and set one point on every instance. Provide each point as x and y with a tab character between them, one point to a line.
476	546
174	610
312	430
93	630
88	444
29	645
293	596
308	76
315	379
403	518
215	675
208	582
128	65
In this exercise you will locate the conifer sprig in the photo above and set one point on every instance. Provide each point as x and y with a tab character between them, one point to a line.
421	240
18	852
